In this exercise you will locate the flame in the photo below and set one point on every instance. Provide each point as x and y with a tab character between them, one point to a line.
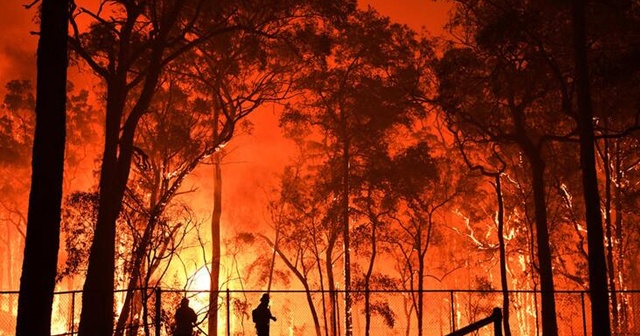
201	280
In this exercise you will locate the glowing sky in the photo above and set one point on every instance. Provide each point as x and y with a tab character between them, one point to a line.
415	13
18	44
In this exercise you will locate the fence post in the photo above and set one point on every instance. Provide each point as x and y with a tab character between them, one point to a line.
497	321
228	313
158	309
453	316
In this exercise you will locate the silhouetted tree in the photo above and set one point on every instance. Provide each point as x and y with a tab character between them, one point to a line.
16	139
129	55
130	51
42	240
304	219
495	173
173	138
427	186
595	236
512	104
355	91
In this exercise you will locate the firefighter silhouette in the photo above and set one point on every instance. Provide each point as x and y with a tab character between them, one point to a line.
262	316
185	319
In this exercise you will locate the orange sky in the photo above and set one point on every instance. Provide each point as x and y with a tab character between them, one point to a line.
431	14
18	45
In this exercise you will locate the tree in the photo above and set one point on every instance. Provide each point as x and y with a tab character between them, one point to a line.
306	230
595	235
236	74
355	91
37	282
375	207
128	56
565	68
129	52
511	102
18	121
495	173
608	30
427	188
173	138
129	45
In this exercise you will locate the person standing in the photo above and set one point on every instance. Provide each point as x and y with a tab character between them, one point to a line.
262	316
185	319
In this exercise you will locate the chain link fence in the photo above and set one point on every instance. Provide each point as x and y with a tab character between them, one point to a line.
321	313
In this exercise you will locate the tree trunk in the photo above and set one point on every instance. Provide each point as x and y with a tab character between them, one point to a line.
321	281
620	255
421	272
348	321
608	224
215	246
96	318
600	324
137	270
99	284
331	284
549	323
503	258
37	282
367	276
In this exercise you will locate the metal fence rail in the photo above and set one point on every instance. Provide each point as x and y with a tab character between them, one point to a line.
393	312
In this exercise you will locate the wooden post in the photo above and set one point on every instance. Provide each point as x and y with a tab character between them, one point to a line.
497	321
158	310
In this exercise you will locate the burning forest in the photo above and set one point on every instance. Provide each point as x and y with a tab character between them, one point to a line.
320	168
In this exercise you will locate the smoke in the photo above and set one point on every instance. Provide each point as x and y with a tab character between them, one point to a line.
18	44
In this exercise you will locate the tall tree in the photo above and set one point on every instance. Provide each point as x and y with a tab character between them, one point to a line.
511	126
214	277
495	173
236	74
613	78
172	139
129	45
37	282
529	102
358	88
427	187
115	53
129	51
18	121
595	236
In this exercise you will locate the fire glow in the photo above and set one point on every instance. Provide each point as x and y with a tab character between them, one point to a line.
371	176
